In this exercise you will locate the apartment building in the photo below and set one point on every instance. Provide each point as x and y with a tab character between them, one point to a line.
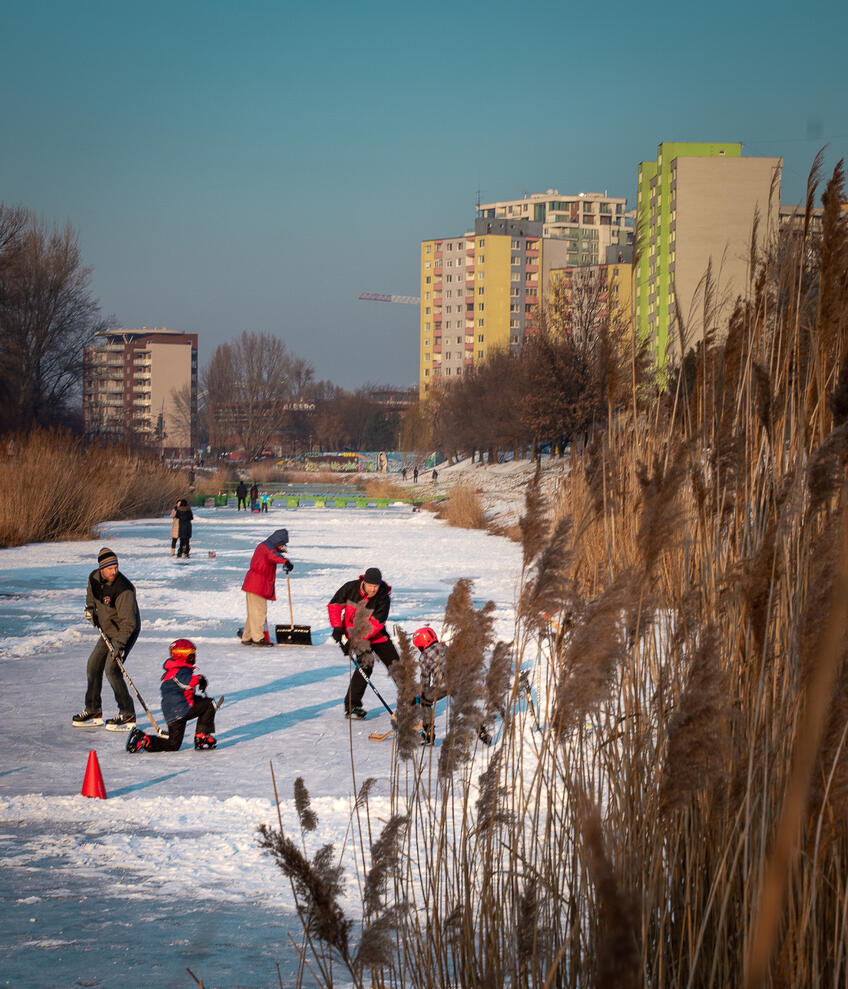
589	222
141	385
480	290
695	211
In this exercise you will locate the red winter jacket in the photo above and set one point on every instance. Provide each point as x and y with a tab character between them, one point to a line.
343	605
262	574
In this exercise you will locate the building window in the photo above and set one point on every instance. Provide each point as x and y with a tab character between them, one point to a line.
482	258
427	311
481	306
480	338
459	339
447	372
427	342
426	356
479	353
480	276
427	265
427	280
481	291
481	322
426	372
482	243
429	248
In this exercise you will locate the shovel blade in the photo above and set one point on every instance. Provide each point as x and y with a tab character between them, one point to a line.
294	635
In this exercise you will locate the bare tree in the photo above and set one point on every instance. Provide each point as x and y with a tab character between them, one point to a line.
47	315
249	385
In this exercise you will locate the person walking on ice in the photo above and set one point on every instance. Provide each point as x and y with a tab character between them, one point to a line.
111	607
372	593
431	659
181	703
241	494
259	585
184	518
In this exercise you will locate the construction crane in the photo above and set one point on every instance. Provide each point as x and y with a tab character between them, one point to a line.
407	300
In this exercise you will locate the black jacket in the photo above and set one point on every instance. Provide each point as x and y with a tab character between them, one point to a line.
116	607
184	517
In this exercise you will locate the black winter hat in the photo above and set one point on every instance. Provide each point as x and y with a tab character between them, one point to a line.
106	558
372	576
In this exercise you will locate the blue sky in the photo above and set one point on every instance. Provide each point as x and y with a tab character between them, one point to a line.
257	165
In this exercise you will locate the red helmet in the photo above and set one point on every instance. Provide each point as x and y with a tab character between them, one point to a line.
424	637
183	651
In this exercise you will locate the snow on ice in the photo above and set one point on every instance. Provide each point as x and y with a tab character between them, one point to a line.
166	873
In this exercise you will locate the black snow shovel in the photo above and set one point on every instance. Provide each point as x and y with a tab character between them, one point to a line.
293	635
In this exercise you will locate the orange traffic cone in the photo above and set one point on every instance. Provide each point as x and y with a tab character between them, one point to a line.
92	785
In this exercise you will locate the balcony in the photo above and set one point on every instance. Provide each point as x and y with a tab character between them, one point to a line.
531	269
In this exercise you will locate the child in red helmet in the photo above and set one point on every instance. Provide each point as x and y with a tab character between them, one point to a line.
180	704
431	657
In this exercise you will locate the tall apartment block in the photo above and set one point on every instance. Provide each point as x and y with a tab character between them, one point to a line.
695	210
480	290
589	222
129	383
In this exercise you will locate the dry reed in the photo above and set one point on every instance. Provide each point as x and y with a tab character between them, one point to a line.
56	487
680	818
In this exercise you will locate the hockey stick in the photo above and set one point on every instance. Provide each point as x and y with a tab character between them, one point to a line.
524	684
368	680
128	678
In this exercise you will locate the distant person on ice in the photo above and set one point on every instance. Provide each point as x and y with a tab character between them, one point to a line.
184	517
254	497
241	494
371	590
110	605
175	528
259	585
180	704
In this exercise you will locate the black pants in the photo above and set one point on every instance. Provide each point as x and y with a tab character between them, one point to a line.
173	543
242	504
101	661
387	654
184	546
203	710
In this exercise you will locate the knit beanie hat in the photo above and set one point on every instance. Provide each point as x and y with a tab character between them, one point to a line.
372	576
106	558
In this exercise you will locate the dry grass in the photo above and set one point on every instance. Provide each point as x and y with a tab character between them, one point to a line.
462	508
680	818
376	487
57	488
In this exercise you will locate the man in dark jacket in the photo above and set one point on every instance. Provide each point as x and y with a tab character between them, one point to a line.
371	597
110	605
259	585
241	494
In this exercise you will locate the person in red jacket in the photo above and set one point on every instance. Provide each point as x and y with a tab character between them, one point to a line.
375	594
259	583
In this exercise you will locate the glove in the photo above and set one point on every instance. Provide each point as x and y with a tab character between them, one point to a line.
338	634
288	566
202	684
120	652
91	615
